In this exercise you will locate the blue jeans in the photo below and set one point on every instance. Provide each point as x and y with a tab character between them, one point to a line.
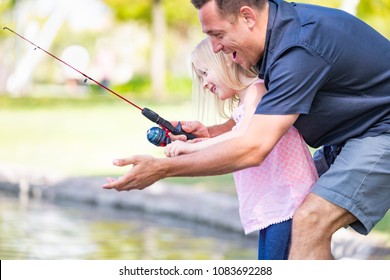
274	241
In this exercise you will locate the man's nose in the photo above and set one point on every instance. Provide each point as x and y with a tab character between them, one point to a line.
216	46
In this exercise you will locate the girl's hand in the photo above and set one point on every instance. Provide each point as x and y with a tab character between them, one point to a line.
179	147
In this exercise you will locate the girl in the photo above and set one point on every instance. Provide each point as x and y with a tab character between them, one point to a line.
268	194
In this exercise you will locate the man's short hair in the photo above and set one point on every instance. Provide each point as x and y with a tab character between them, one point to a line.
230	7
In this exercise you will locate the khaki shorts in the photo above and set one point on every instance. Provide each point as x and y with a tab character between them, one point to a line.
359	180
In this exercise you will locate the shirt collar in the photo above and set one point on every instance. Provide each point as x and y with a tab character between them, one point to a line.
261	64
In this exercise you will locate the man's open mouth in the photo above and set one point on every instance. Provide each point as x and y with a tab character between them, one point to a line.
234	55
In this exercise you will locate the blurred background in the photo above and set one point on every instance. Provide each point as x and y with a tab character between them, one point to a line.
138	48
52	122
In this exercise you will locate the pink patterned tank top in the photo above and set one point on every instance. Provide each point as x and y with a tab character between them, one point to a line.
270	193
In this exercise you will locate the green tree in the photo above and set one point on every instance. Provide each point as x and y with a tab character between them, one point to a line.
377	14
374	12
6	6
159	15
179	14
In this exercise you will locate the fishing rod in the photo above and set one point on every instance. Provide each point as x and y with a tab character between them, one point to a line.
156	135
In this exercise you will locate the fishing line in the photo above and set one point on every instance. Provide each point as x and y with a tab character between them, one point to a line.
95	92
156	136
91	90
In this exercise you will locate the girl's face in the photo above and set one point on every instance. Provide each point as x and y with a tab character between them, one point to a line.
215	85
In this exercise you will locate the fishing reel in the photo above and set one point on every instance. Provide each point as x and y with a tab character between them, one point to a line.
159	136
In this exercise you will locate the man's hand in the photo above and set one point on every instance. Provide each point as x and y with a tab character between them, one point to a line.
194	127
144	172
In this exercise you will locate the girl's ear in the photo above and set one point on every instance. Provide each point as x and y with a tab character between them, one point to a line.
248	16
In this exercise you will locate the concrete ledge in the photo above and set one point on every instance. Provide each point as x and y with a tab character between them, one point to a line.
217	209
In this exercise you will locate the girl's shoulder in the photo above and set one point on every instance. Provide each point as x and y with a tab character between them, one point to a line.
257	87
258	82
255	92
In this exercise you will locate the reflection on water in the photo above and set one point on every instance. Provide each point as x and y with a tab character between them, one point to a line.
44	230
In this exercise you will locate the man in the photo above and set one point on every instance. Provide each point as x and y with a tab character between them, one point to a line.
328	74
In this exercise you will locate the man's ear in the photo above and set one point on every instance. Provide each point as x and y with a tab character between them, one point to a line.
249	16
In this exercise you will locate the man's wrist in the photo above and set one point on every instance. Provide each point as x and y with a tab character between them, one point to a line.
165	168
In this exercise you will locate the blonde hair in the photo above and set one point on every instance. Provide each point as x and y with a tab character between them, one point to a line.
231	74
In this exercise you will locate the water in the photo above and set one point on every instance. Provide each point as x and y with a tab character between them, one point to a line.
51	230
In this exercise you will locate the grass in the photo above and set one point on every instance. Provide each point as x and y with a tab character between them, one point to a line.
80	137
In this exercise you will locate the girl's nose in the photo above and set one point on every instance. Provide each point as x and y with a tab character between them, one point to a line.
205	83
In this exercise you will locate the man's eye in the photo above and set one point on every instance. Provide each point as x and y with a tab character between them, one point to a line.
217	35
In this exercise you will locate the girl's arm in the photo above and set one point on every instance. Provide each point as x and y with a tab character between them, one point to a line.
219	129
200	130
252	98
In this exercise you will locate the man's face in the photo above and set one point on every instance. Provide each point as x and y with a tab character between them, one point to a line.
235	38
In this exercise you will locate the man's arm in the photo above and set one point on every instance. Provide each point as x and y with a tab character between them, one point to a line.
248	150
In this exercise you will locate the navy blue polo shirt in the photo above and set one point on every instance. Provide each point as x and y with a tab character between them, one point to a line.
329	67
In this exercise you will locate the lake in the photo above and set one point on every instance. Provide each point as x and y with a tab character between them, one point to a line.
43	229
